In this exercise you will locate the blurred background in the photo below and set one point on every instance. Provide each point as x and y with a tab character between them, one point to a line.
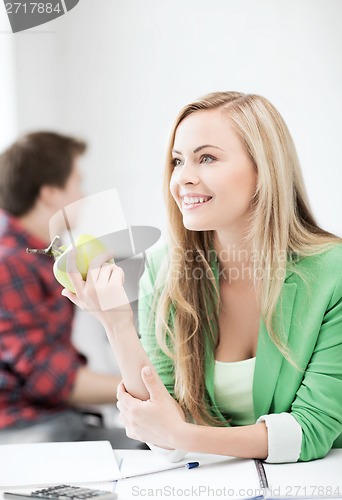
116	72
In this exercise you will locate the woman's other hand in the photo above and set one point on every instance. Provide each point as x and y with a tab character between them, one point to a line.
156	420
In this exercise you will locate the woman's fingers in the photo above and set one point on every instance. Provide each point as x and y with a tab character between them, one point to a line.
95	266
120	390
102	290
98	268
104	274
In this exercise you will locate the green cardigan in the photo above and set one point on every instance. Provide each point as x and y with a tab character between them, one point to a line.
313	326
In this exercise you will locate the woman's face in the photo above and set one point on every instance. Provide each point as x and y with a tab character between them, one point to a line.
210	163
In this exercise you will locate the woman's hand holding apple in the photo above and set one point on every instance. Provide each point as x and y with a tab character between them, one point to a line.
102	293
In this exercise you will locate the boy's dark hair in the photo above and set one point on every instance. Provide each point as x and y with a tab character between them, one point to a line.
35	160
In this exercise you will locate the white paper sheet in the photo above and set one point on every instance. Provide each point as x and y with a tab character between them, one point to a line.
317	478
54	463
216	477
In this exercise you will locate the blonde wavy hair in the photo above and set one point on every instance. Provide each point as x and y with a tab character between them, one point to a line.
281	224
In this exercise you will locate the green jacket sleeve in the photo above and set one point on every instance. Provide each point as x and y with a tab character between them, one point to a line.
318	403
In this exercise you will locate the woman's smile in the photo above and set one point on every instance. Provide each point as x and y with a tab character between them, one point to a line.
191	202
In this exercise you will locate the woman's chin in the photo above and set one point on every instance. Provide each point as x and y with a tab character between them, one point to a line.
196	226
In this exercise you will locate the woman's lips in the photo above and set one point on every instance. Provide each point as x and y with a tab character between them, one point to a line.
192	206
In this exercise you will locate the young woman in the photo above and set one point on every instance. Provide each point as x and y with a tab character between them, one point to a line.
240	315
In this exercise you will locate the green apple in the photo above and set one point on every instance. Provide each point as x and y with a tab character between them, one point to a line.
88	247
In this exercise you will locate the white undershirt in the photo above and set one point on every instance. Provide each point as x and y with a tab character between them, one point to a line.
233	390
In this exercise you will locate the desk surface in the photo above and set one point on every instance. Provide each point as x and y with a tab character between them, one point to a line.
223	477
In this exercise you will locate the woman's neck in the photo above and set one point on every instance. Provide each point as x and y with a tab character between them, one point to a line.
234	258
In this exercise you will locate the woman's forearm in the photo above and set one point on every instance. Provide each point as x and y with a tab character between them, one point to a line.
248	441
130	355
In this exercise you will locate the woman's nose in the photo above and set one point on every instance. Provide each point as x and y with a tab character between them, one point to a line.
187	173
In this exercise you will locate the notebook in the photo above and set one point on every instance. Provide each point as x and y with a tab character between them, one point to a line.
229	477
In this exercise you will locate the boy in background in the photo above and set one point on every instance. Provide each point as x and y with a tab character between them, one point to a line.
42	376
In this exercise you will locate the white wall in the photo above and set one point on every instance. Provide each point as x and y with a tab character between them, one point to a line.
8	117
116	72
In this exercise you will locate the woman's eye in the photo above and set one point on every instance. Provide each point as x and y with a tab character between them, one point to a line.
207	159
176	162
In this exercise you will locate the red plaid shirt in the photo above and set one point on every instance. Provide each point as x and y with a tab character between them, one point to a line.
38	362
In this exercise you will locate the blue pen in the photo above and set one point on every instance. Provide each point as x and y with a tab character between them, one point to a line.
189	465
259	497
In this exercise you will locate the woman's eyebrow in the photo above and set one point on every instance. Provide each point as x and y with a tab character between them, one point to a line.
199	148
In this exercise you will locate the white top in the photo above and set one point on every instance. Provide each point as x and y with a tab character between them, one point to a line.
233	390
